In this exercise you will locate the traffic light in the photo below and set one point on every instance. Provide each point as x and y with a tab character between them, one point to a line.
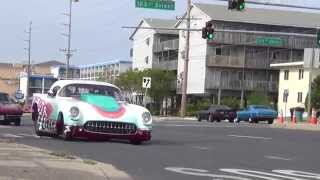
318	36
208	31
236	4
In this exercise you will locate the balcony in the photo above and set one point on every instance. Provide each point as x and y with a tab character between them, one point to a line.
166	65
248	85
166	45
236	62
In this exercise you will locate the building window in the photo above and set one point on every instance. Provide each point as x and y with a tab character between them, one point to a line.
299	97
286	75
218	51
131	52
301	71
285	96
146	59
148	41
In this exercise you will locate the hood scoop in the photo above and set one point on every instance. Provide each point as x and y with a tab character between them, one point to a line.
106	103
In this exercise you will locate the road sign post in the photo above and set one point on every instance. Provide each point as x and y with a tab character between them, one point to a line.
156	4
146	84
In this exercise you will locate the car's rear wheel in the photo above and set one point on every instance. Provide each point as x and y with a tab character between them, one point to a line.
36	124
135	142
17	122
270	121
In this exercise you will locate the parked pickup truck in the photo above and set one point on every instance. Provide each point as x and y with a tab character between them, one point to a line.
256	113
90	110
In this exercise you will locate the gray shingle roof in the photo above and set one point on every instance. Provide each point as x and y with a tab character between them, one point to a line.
165	23
154	22
262	16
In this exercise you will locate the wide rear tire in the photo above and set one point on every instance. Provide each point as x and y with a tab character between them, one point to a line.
17	122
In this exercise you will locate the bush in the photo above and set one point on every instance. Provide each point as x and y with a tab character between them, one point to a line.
258	98
230	101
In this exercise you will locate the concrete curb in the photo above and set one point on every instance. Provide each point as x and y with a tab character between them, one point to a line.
49	165
299	126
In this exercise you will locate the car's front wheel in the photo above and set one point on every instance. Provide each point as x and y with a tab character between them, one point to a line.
199	118
65	132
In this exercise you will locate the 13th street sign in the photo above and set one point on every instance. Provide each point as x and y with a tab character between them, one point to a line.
156	4
269	41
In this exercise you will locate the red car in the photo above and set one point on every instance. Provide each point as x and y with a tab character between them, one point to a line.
9	110
27	107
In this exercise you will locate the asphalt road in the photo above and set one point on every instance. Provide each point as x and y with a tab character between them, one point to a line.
192	150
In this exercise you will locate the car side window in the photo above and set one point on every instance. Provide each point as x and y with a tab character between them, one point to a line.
55	90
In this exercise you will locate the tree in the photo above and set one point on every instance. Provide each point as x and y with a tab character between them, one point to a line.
232	102
315	94
258	98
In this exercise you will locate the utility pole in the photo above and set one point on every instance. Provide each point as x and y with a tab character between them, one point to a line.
68	35
186	64
29	60
243	77
310	83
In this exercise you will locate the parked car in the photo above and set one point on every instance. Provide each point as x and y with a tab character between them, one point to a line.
27	107
256	113
217	113
90	110
10	111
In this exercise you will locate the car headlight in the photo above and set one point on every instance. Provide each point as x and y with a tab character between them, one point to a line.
74	112
146	117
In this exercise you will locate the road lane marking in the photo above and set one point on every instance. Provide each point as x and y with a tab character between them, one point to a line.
298	173
202	173
278	158
10	136
244	174
200	147
193	125
259	174
249	137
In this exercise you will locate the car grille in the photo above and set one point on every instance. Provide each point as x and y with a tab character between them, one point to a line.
118	128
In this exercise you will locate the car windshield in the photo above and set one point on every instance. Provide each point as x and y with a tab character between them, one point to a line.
75	90
4	97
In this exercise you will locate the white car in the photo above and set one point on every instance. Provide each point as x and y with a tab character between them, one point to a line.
89	109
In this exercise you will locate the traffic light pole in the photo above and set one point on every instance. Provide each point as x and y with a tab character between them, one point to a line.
186	65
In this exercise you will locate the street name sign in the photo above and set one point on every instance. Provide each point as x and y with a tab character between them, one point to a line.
146	82
156	4
269	41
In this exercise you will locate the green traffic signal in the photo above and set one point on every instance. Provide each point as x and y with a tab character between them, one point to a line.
242	6
210	36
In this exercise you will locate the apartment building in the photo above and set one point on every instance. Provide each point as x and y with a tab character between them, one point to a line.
152	48
294	80
107	71
237	63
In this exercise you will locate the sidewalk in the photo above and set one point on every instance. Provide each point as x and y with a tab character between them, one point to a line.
23	162
176	118
298	126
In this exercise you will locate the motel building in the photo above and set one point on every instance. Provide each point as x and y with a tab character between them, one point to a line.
294	80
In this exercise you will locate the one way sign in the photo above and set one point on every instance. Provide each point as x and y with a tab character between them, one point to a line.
146	82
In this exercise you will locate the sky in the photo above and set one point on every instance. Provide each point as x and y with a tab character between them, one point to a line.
97	35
